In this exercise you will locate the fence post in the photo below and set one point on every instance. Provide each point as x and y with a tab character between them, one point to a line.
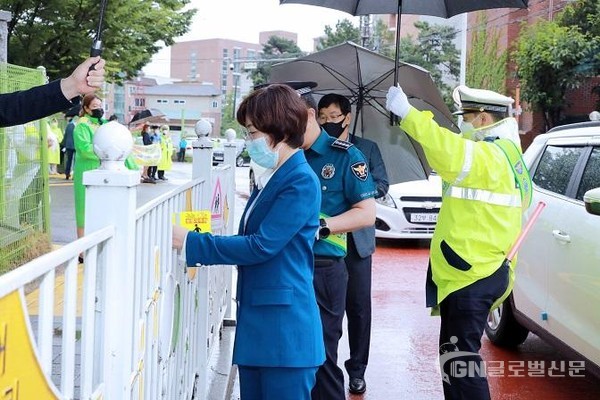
111	200
202	163
230	159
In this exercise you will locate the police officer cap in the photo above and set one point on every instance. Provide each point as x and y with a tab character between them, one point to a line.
480	100
302	87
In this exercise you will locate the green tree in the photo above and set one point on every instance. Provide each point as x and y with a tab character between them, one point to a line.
548	59
344	31
276	49
585	16
58	34
383	41
434	50
486	63
228	117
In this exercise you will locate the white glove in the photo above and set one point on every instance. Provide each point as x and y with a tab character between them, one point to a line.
397	102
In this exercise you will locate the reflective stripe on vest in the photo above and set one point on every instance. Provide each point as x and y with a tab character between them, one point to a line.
498	199
519	169
467	163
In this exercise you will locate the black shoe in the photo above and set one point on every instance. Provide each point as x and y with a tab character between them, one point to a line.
80	259
67	176
162	178
357	386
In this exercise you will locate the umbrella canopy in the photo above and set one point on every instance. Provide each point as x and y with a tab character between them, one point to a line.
364	77
436	8
150	115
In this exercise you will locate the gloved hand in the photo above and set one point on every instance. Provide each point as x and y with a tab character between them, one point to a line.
397	102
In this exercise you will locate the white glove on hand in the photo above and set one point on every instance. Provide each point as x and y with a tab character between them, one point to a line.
397	102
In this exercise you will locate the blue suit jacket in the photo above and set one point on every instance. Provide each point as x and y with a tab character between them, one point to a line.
28	105
364	239
278	322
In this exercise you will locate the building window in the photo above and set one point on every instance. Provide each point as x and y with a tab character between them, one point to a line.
179	101
140	102
132	89
215	104
162	101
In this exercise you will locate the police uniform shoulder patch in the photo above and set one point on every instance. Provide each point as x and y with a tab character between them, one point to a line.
360	170
341	144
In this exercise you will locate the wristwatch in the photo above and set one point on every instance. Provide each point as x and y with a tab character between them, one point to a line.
324	230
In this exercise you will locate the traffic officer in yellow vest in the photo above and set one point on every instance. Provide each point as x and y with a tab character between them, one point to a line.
485	188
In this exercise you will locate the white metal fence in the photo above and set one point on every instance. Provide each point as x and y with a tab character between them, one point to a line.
131	322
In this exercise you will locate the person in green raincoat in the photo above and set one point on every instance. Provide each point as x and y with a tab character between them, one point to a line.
166	146
85	159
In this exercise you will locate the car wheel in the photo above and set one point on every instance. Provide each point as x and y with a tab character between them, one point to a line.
239	161
503	329
252	183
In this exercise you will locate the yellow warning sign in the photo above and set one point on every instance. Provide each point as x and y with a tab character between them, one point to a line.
21	376
197	221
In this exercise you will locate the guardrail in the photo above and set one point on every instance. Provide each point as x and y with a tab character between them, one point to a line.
132	322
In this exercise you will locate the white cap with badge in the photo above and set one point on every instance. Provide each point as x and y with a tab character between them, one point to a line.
480	100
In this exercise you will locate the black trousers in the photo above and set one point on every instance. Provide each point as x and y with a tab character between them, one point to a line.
358	310
69	160
330	289
464	315
152	171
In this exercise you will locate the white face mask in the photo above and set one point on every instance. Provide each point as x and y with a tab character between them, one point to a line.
469	131
466	127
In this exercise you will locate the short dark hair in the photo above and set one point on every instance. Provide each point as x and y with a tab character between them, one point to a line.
333	98
277	111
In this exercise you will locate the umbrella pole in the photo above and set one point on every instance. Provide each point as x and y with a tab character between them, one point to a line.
393	118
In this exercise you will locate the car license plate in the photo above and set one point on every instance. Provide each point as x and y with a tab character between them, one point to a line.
421	217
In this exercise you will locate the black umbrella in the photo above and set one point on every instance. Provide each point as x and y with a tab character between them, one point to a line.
364	77
150	115
436	8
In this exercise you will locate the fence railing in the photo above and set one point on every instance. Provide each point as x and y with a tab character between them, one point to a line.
24	201
132	322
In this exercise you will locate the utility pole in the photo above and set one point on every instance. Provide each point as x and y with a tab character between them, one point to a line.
365	29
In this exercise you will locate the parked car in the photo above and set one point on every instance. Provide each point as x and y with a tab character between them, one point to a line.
409	210
557	287
241	156
219	151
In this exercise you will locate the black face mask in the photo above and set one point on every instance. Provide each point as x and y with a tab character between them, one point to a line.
334	129
97	113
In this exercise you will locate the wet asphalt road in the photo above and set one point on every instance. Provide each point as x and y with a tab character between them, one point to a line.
403	363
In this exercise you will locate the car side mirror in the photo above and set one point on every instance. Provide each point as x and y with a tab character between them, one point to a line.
591	199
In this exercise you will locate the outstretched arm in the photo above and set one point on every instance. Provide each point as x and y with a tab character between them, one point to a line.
41	101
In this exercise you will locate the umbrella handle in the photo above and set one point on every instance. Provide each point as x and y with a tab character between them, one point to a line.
96	49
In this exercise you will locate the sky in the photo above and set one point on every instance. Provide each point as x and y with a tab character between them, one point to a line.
244	19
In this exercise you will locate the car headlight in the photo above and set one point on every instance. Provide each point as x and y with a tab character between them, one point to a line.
386	201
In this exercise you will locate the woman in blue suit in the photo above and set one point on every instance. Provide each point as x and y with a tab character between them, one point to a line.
279	341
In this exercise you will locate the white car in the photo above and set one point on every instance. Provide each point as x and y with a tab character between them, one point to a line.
557	287
409	210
